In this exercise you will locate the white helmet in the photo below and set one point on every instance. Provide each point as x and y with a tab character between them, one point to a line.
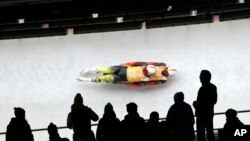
171	71
151	69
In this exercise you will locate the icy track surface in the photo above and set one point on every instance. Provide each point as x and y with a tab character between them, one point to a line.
39	74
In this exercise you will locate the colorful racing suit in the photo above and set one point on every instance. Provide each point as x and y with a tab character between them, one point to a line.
132	74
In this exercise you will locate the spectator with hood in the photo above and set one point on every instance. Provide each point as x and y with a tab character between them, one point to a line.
79	119
108	128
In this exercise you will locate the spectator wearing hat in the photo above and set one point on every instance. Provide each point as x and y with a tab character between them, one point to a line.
79	119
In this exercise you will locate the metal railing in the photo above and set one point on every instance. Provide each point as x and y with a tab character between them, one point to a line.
64	127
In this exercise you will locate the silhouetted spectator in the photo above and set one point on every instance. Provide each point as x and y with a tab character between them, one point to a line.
154	128
80	120
204	107
230	126
180	119
133	126
18	128
53	133
108	128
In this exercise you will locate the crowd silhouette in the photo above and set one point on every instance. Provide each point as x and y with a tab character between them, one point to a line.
178	125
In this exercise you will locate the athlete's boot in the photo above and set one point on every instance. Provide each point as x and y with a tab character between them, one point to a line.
83	79
88	72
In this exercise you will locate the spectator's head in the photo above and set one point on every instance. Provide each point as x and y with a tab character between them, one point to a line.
205	76
19	112
78	102
179	97
108	111
131	108
108	108
154	116
231	113
78	99
53	133
52	129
